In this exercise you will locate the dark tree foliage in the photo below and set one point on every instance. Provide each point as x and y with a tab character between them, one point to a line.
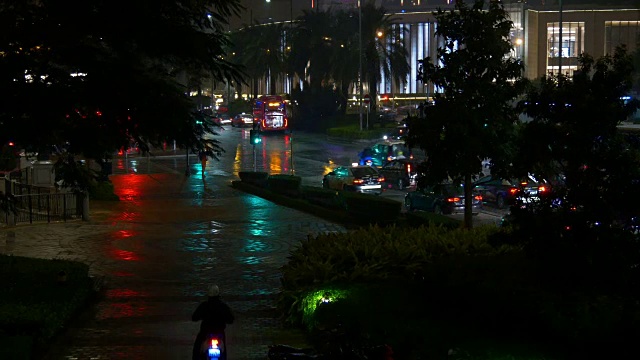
473	116
99	75
588	221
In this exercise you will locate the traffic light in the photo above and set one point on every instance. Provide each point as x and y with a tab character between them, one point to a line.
254	137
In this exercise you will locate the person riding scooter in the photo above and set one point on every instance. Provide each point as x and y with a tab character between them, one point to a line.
215	315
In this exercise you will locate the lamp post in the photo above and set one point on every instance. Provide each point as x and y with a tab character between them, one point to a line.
360	59
560	43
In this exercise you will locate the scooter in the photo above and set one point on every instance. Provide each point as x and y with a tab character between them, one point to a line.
213	348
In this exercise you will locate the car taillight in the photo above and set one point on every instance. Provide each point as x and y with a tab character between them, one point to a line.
358	181
264	123
513	191
478	197
408	168
453	199
286	121
381	179
542	189
389	158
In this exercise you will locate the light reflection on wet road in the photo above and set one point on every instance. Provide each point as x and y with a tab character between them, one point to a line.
169	238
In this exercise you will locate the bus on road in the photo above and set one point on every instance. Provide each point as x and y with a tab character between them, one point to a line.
270	113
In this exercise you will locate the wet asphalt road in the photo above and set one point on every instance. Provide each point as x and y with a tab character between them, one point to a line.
172	235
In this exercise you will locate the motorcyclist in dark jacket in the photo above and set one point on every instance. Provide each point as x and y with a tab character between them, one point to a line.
215	315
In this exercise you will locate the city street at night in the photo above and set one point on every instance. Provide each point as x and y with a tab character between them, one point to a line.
171	235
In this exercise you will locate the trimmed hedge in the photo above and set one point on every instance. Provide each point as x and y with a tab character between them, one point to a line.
371	208
39	297
258	178
284	184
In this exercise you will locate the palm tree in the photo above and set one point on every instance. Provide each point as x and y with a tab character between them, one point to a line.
383	49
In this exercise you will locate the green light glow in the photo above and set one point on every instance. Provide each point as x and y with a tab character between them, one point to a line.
314	298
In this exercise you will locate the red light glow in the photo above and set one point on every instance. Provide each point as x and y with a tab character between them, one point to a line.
453	199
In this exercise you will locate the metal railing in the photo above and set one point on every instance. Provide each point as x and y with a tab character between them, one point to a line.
31	204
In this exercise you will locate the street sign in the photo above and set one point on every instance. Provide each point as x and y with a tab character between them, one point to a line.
367	99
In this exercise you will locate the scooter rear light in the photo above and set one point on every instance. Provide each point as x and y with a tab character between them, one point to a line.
214	343
542	189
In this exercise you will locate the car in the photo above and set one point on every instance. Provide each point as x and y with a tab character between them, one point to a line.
363	179
443	198
242	120
400	173
503	192
397	133
383	152
224	119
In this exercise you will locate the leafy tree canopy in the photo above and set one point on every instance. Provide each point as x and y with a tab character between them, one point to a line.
474	113
98	75
574	142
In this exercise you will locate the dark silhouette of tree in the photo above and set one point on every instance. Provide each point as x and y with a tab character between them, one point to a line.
473	115
74	75
574	142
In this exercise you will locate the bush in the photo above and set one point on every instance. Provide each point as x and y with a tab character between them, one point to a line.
327	198
39	296
285	184
423	218
102	190
257	178
371	208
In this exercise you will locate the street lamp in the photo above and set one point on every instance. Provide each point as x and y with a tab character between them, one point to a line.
560	43
360	58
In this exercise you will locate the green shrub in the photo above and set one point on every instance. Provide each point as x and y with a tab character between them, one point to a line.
423	218
327	198
102	190
37	300
285	184
258	178
353	132
371	208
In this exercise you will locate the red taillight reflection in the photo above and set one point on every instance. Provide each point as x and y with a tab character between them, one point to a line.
453	199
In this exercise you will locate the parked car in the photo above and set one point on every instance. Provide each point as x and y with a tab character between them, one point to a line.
400	173
242	120
364	179
503	192
446	198
383	152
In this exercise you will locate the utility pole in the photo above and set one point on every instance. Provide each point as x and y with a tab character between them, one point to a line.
560	42
360	59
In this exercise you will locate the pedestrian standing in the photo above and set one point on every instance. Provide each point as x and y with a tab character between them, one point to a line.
203	160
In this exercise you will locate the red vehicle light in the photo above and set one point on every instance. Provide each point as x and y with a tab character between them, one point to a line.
214	343
286	122
513	191
358	181
478	197
381	179
264	123
524	183
542	189
453	199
